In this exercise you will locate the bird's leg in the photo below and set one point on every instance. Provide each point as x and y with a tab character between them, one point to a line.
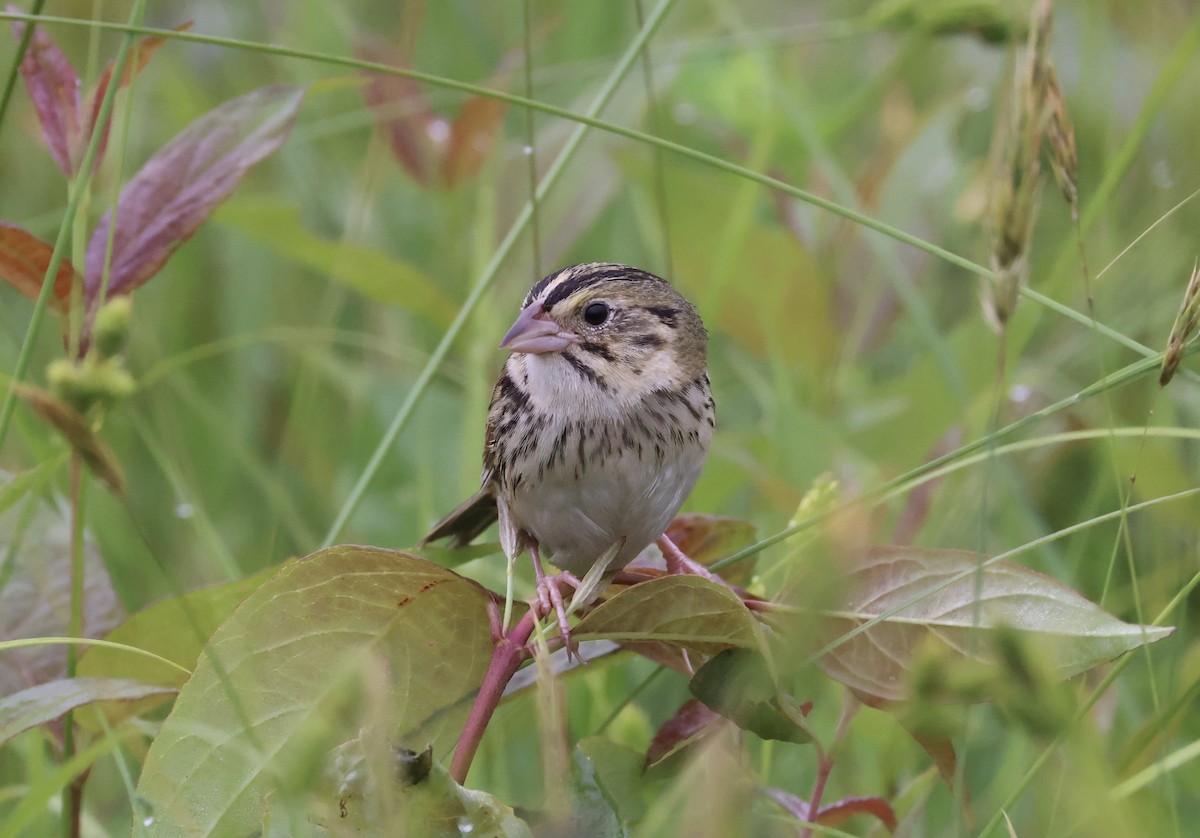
679	562
550	597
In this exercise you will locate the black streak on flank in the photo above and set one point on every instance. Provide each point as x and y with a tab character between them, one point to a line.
664	313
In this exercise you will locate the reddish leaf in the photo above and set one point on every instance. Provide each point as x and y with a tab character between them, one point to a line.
181	185
707	538
835	813
690	722
24	259
35	599
877	807
472	136
402	112
53	86
143	52
902	599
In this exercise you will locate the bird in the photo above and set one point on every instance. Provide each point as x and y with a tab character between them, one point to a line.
598	428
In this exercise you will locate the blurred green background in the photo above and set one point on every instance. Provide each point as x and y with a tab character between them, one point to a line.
276	346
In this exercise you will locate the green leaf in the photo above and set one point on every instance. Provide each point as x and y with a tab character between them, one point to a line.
935	599
737	684
175	629
344	639
44	703
277	225
681	610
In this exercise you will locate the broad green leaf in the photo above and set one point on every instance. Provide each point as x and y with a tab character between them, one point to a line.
737	684
347	638
35	597
681	610
938	598
175	629
276	224
619	770
44	703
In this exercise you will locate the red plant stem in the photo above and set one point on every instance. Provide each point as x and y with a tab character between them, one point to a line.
510	651
825	762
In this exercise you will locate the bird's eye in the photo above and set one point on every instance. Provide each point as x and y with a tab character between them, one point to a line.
595	313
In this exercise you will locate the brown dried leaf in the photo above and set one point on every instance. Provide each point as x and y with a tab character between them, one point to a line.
402	112
472	137
78	432
24	260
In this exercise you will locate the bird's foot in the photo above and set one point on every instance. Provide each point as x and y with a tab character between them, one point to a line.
550	600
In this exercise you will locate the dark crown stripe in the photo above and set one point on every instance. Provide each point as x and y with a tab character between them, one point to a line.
558	286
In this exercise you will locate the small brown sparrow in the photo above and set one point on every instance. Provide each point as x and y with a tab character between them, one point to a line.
598	428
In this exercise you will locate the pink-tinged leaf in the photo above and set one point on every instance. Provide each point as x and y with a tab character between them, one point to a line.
708	538
24	259
35	600
143	51
833	814
878	808
180	186
417	135
692	721
53	86
936	599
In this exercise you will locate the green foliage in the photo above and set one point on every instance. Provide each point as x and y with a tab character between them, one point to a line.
315	366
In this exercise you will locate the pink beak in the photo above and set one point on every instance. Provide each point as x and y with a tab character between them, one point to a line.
535	332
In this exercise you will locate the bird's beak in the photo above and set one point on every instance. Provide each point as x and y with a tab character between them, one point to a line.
535	332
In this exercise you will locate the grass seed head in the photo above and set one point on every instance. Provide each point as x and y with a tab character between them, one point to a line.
1186	323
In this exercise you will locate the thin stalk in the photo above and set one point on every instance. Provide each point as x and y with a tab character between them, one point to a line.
72	793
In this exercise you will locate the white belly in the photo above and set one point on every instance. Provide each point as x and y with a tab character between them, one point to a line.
576	519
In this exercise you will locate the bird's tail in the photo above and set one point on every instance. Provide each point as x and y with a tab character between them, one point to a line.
467	521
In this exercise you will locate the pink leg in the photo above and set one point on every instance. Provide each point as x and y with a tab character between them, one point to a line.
678	561
550	597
